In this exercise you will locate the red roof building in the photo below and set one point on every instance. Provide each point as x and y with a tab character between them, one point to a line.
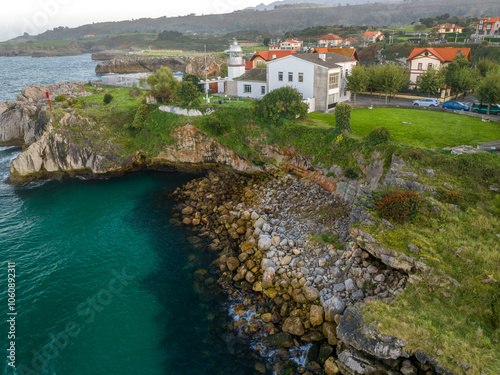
260	58
488	27
330	40
423	59
373	36
347	52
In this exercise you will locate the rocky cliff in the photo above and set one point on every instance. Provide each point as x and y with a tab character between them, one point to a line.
142	64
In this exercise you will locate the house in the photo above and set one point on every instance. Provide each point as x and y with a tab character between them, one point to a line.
319	78
372	36
260	58
274	47
350	41
448	28
423	59
252	84
330	40
292	44
347	52
488	27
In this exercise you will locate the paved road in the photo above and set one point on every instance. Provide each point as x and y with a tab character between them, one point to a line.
366	100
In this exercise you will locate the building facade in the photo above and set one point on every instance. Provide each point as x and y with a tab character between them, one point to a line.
330	40
489	26
423	59
292	44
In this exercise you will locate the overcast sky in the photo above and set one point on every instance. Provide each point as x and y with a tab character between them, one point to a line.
36	16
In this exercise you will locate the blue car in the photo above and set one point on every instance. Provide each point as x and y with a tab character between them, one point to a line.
452	104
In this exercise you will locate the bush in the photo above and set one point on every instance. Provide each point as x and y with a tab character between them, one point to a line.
279	104
343	117
416	154
400	206
452	197
107	98
378	136
141	116
189	94
61	98
351	173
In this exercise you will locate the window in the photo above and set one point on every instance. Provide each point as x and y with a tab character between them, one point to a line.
301	77
332	98
247	89
419	66
280	76
429	67
259	62
290	77
333	81
263	90
488	26
418	79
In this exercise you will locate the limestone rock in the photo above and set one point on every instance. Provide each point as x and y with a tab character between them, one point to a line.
280	340
333	307
232	263
312	336
265	243
330	332
331	367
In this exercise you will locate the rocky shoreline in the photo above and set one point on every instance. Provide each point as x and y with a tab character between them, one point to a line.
285	252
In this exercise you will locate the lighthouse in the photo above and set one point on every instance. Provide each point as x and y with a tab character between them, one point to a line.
236	65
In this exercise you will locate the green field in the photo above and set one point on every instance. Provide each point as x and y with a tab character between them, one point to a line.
427	129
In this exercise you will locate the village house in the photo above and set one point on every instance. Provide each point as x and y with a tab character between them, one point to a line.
330	40
260	58
291	44
488	27
320	79
423	59
372	37
274	47
347	52
448	28
252	84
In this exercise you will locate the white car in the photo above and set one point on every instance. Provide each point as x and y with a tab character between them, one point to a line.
427	102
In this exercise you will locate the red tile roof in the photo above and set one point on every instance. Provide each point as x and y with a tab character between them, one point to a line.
446	54
330	37
249	65
489	20
293	41
347	52
274	45
447	26
271	55
371	34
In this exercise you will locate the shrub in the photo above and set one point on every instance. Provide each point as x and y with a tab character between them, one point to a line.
189	94
141	116
452	197
351	173
217	123
343	117
107	98
416	154
77	104
400	206
378	136
279	104
61	98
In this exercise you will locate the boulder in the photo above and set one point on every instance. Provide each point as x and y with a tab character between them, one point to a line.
316	315
330	332
312	336
280	340
332	307
232	263
311	293
268	277
294	326
331	367
265	243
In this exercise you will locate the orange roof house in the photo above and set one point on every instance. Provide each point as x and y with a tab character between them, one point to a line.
489	26
330	40
347	52
447	28
261	57
291	44
423	59
373	36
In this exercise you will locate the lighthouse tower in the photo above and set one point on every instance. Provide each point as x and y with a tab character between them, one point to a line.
236	65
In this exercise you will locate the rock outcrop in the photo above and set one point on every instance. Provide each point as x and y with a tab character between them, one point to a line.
144	64
20	124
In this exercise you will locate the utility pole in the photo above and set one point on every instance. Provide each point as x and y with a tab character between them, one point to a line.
206	76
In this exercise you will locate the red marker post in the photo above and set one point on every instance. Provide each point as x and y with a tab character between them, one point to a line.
48	97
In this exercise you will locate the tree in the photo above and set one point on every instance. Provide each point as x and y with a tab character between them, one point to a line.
357	81
266	41
431	81
223	70
163	85
343	117
390	79
488	89
460	76
486	65
189	93
279	104
193	78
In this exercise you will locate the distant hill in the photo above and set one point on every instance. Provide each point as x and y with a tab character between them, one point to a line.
285	3
285	19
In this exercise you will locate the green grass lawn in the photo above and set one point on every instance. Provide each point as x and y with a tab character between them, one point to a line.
428	129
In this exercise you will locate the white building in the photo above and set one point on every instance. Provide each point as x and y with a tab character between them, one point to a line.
252	84
316	76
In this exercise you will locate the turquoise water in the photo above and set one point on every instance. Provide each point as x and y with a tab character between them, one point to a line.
105	284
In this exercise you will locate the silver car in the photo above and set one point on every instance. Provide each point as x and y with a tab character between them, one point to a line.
427	102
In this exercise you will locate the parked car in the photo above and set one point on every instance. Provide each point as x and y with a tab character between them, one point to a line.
452	104
479	107
427	102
